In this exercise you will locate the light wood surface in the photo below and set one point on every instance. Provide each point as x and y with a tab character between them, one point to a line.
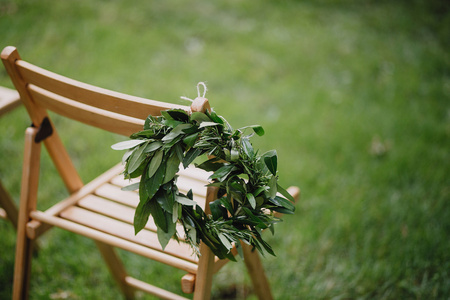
28	199
9	100
8	209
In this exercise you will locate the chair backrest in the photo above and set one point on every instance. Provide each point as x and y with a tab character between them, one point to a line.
42	90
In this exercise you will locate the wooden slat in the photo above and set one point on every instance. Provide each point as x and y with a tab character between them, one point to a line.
195	173
151	289
194	177
126	231
118	211
110	121
91	95
9	99
85	190
121	181
35	229
9	207
114	192
108	208
197	183
115	241
185	184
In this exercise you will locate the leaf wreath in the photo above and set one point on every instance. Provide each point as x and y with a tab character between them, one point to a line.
248	191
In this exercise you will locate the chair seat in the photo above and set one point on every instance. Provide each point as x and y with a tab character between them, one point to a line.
109	211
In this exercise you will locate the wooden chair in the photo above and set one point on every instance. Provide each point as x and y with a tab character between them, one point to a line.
9	99
100	209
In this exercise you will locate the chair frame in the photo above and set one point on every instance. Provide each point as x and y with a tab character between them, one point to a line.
40	90
9	100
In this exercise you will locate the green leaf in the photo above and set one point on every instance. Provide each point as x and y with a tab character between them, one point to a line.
260	190
141	215
175	208
184	200
131	187
142	190
280	201
256	128
143	134
265	245
172	123
149	121
216	209
139	170
271	161
200	117
172	167
177	114
192	154
206	124
165	237
175	132
226	202
210	165
126	155
254	218
153	146
155	163
273	187
190	195
225	241
234	155
285	193
237	185
282	210
153	184
191	139
215	118
247	147
179	151
136	158
251	200
239	250
158	215
222	173
127	144
166	115
165	199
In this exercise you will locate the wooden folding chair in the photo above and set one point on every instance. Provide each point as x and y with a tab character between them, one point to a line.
9	99
100	209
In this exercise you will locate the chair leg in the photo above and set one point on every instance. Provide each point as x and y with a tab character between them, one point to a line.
256	272
8	204
28	198
22	265
116	268
203	281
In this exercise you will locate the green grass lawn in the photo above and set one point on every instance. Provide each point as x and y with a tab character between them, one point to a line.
354	95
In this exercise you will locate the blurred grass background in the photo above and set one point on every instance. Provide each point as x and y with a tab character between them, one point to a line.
354	95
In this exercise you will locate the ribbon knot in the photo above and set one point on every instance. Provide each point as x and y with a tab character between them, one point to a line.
199	85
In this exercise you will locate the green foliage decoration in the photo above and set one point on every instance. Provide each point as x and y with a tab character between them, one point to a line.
248	191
